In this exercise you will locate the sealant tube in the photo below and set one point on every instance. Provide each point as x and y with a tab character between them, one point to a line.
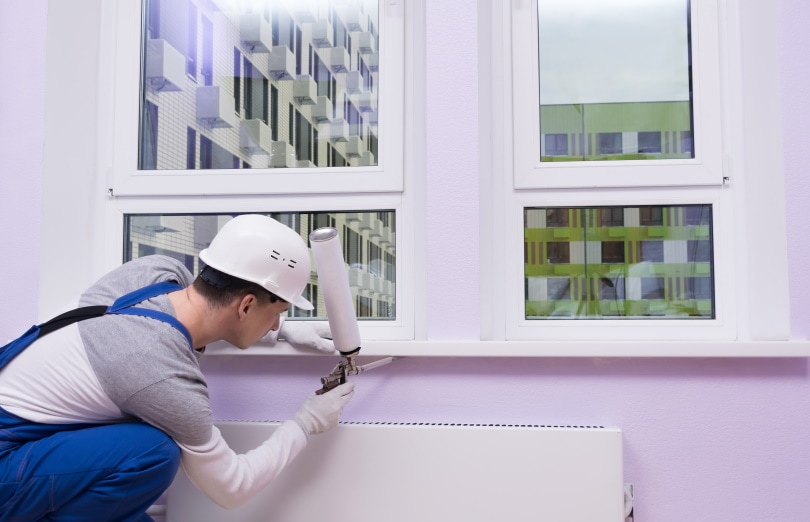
333	281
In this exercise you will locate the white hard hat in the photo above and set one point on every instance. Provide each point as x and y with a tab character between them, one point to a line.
261	250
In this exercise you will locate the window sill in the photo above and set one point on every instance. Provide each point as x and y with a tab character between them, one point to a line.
473	348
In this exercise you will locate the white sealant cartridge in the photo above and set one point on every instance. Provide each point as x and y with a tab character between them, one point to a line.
333	280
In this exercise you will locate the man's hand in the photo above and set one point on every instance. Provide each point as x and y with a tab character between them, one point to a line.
320	413
307	335
303	335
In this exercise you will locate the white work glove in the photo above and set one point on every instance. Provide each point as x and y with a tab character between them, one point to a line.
320	413
307	335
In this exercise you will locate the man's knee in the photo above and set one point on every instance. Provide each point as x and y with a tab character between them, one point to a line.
158	451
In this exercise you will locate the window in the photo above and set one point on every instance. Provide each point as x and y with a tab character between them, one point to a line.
651	216
612	251
153	20
557	217
282	52
191	149
182	236
527	310
619	83
558	253
191	46
208	51
149	135
556	145
651	251
611	217
649	142
619	156
610	143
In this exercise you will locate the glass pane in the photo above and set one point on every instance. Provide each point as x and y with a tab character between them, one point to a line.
619	262
615	80
234	84
369	248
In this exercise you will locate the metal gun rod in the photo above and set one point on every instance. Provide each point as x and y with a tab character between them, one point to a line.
375	364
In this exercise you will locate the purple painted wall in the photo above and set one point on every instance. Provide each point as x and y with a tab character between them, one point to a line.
705	439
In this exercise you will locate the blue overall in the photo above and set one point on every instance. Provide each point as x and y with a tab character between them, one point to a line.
83	472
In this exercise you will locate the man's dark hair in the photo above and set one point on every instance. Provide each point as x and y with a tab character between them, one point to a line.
220	289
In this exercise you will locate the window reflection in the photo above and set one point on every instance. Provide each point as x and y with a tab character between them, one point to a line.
618	262
369	248
615	80
262	84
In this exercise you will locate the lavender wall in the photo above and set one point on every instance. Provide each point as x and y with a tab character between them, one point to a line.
713	439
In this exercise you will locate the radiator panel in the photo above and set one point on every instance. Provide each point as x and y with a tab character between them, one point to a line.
363	472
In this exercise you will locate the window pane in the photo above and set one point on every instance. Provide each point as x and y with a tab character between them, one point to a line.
369	248
224	68
619	262
614	80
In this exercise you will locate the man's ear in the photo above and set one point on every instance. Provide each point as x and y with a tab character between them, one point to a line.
245	304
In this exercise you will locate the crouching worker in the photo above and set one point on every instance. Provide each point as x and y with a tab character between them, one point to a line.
99	407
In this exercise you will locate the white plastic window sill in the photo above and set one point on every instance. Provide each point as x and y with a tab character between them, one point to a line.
473	348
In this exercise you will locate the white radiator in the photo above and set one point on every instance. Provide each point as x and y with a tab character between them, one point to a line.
389	472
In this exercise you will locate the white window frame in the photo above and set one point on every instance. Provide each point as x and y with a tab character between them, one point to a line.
751	320
85	38
81	241
719	328
126	180
704	169
399	328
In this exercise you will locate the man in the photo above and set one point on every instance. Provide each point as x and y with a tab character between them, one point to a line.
96	416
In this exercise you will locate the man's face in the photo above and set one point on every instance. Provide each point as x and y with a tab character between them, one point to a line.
260	318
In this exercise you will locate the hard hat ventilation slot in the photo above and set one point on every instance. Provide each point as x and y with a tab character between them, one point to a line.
275	254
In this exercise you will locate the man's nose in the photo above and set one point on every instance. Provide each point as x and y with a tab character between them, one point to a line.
275	324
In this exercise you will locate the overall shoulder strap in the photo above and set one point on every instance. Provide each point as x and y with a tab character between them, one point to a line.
142	294
67	318
122	305
125	305
127	300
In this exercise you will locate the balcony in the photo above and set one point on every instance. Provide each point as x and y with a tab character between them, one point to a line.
336	131
366	223
256	33
372	61
357	277
165	66
282	63
282	154
365	101
153	225
354	147
386	237
321	33
364	42
336	58
305	90
215	107
351	18
354	82
321	111
302	12
255	137
367	159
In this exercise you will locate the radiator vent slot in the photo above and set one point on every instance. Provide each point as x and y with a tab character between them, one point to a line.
448	424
